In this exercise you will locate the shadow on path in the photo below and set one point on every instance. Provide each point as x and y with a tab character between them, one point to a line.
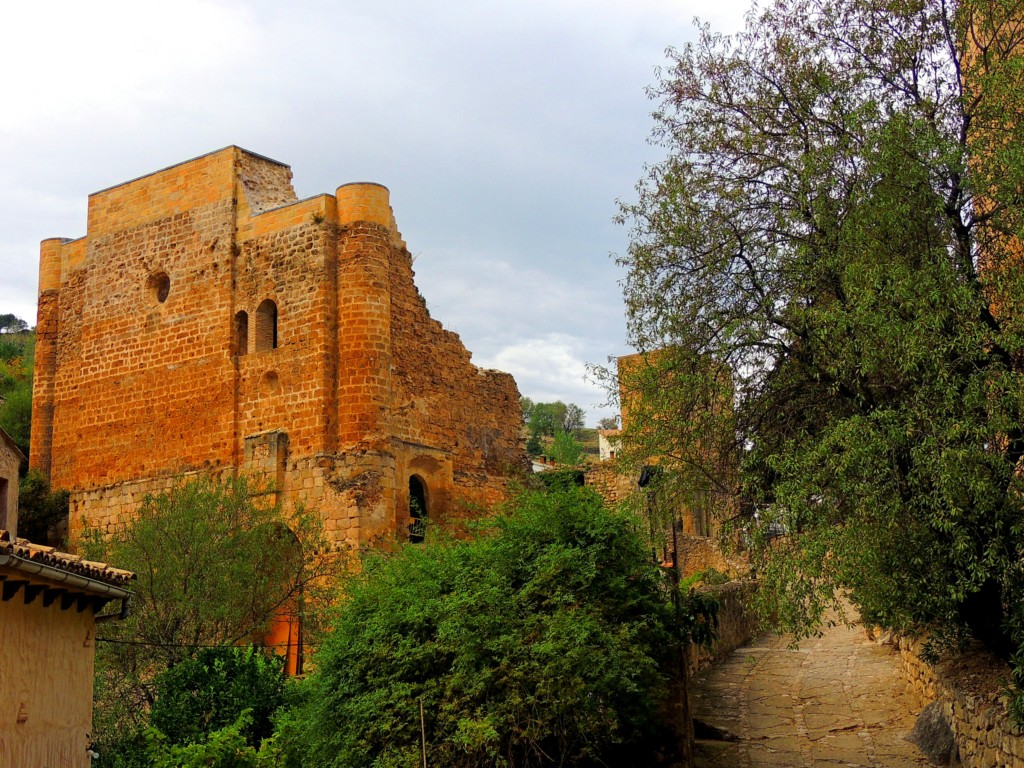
837	700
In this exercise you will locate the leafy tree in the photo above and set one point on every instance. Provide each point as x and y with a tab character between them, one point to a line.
573	418
549	418
12	324
526	405
537	643
545	418
836	224
534	447
40	508
216	562
608	422
566	449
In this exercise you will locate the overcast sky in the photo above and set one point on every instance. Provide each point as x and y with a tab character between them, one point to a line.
504	130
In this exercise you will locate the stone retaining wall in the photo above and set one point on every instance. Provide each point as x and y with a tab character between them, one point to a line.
968	688
737	623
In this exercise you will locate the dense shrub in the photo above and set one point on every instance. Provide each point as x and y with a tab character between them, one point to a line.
538	643
210	691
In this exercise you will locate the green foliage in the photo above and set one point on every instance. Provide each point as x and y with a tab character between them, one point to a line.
212	689
526	405
698	616
561	479
550	418
215	562
535	644
225	747
709	577
17	353
566	449
40	508
546	417
12	347
1013	687
17	357
836	226
573	418
16	414
534	447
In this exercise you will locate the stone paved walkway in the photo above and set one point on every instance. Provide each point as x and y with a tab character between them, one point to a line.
838	700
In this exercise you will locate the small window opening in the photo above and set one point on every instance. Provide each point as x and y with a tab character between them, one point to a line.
159	286
266	326
417	510
242	333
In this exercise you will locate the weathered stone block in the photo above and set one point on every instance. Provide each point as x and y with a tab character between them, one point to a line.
933	735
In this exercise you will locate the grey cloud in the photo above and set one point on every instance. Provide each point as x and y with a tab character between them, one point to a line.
505	132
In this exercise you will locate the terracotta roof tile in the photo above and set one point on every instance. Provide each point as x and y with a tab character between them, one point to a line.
64	561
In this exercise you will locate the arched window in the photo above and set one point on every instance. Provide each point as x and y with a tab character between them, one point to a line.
417	509
266	326
242	333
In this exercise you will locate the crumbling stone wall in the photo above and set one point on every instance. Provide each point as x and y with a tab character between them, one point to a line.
610	481
211	322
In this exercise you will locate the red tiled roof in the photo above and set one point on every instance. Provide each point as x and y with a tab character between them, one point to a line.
64	561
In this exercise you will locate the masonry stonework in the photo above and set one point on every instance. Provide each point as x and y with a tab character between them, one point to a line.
968	689
211	322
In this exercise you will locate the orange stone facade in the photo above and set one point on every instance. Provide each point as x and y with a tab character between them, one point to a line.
211	322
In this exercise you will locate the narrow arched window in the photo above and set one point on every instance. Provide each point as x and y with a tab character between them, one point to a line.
417	509
266	326
242	333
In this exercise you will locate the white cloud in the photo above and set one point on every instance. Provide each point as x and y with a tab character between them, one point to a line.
112	60
504	130
552	367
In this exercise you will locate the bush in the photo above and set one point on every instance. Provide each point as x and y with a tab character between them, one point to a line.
211	690
536	644
223	748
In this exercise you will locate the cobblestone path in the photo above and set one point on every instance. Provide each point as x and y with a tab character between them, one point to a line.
838	700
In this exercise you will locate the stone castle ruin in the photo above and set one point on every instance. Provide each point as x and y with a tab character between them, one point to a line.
211	322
